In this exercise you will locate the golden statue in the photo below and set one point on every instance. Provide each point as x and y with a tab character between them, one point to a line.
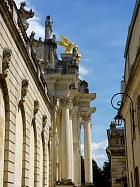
65	43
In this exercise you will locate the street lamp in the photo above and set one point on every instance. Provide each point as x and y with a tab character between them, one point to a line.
118	118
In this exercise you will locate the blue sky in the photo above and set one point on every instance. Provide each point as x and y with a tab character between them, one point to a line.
99	28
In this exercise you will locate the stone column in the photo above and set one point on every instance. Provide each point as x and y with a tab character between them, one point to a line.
88	152
76	148
71	144
65	143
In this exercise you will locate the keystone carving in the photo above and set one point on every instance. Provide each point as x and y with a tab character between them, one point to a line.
6	61
24	89
44	121
36	107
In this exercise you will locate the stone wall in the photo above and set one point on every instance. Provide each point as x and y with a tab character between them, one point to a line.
25	114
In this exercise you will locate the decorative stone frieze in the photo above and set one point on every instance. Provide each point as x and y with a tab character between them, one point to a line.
24	89
6	61
36	107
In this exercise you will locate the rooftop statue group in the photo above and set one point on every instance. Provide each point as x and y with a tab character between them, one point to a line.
70	48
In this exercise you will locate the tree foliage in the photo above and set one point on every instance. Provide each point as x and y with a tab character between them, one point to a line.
101	177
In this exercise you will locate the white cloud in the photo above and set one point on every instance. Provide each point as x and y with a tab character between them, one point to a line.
98	152
117	43
99	145
82	72
34	25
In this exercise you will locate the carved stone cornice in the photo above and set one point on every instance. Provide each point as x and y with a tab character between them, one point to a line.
36	107
6	60
24	89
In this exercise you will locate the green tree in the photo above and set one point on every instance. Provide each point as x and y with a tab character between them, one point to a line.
101	177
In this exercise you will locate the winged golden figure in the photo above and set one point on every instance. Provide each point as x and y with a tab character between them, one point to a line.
65	43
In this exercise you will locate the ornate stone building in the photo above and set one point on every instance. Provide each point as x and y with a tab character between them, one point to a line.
117	156
130	108
42	106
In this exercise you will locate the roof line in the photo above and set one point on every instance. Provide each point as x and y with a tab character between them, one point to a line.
131	27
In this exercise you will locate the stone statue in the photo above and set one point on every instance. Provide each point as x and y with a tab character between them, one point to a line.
22	4
7	53
32	36
48	27
25	14
114	134
53	38
66	44
76	56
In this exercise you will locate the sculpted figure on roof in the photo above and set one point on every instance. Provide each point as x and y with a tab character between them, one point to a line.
48	27
66	44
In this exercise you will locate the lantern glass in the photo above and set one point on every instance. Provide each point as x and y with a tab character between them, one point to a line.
118	119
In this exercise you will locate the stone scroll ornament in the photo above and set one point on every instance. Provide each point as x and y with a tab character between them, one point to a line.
24	89
6	61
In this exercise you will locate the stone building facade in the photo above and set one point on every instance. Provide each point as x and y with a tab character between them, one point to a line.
42	106
117	156
130	109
